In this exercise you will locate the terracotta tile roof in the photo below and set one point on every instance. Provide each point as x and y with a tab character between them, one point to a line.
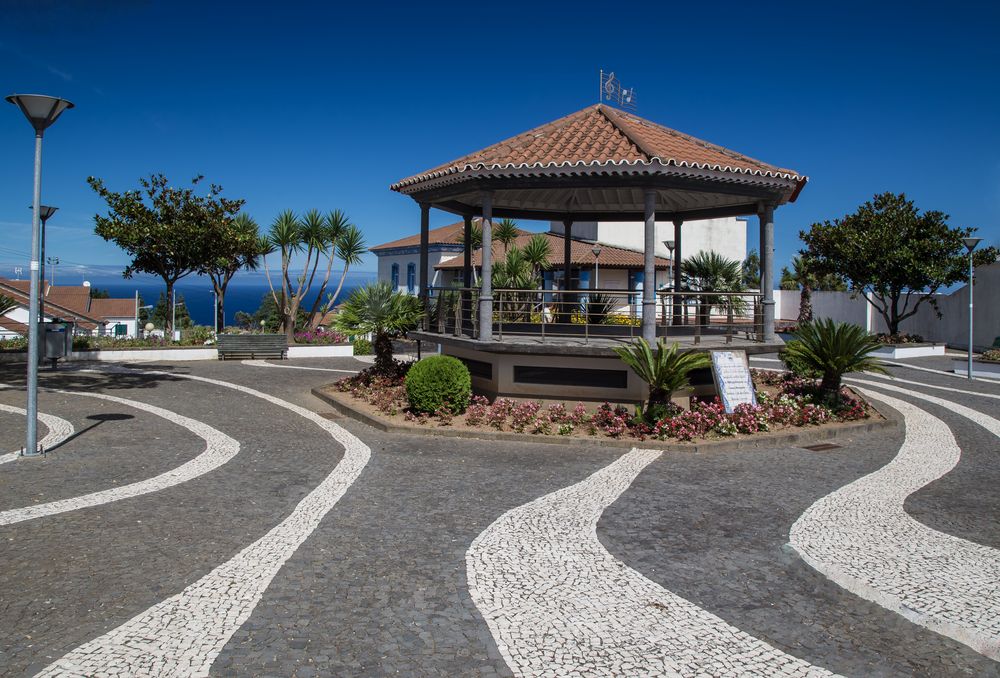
600	136
68	301
580	252
450	234
112	308
11	325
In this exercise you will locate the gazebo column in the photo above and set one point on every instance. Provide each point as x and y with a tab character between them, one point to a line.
766	215
678	318
649	269
425	221
486	291
564	310
465	309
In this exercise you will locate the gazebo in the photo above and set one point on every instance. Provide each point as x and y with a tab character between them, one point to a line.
604	164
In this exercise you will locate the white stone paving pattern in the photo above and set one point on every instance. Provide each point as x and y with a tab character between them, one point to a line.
558	604
219	448
59	430
862	538
182	635
264	363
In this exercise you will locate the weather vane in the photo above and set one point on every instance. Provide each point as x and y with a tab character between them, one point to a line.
613	92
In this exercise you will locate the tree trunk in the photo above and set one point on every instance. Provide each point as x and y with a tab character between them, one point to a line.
220	313
382	347
168	320
290	317
805	305
830	383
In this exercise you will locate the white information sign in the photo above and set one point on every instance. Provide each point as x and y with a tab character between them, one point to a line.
731	370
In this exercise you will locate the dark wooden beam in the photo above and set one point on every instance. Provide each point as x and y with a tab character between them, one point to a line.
748	209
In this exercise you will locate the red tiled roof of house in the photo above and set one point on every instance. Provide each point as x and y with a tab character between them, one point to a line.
599	135
70	301
580	252
450	234
11	325
112	308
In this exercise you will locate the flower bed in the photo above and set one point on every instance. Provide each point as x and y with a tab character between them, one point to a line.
320	337
784	402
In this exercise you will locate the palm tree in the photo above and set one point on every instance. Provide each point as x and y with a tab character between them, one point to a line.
831	349
711	272
537	252
6	304
382	312
505	231
477	235
351	247
802	276
665	371
285	237
342	238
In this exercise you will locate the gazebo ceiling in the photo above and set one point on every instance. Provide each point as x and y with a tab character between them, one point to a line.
597	164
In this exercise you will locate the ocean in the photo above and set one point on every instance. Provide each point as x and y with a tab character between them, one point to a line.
198	295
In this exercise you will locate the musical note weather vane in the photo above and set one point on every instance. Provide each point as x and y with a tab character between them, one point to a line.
613	92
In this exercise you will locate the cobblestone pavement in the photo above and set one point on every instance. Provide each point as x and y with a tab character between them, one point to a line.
54	429
376	584
559	604
861	538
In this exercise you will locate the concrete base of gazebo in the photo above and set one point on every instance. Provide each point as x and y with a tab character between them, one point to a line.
568	368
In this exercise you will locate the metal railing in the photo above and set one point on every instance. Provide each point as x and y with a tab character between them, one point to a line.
587	314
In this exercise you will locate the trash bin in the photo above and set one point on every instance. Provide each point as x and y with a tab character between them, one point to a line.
56	340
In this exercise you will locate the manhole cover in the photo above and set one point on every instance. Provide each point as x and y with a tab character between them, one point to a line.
822	447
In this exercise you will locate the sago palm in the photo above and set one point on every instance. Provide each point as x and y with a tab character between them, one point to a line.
831	349
711	272
384	313
665	371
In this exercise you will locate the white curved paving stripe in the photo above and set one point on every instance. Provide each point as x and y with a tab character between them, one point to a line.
183	635
59	430
558	604
862	538
219	448
897	380
264	363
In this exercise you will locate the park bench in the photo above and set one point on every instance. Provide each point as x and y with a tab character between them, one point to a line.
252	346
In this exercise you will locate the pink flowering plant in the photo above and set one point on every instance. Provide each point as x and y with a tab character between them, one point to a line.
783	400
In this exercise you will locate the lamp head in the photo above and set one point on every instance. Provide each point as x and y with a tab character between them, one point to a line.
40	110
970	243
44	212
597	249
669	244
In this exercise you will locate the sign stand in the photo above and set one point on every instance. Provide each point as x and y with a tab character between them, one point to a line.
731	371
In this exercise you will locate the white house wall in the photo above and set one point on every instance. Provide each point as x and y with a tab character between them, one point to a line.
386	261
727	236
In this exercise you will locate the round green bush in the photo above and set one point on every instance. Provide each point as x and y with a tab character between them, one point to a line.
439	381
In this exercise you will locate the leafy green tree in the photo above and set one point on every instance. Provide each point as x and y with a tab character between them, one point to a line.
803	277
477	235
167	231
379	310
96	293
235	245
537	252
896	254
751	270
665	371
831	349
162	314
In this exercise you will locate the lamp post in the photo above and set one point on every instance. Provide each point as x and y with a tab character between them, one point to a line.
669	244
46	213
173	318
41	111
970	244
597	249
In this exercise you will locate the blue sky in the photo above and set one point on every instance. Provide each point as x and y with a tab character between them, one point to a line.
301	105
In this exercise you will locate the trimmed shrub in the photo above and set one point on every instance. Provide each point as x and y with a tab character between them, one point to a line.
362	347
439	381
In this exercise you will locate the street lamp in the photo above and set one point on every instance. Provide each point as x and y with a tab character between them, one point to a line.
173	318
45	213
41	111
669	244
970	244
596	249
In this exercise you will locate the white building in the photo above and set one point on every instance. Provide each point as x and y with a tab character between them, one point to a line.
618	266
115	317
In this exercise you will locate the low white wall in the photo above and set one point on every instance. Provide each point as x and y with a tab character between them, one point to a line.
146	355
320	351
